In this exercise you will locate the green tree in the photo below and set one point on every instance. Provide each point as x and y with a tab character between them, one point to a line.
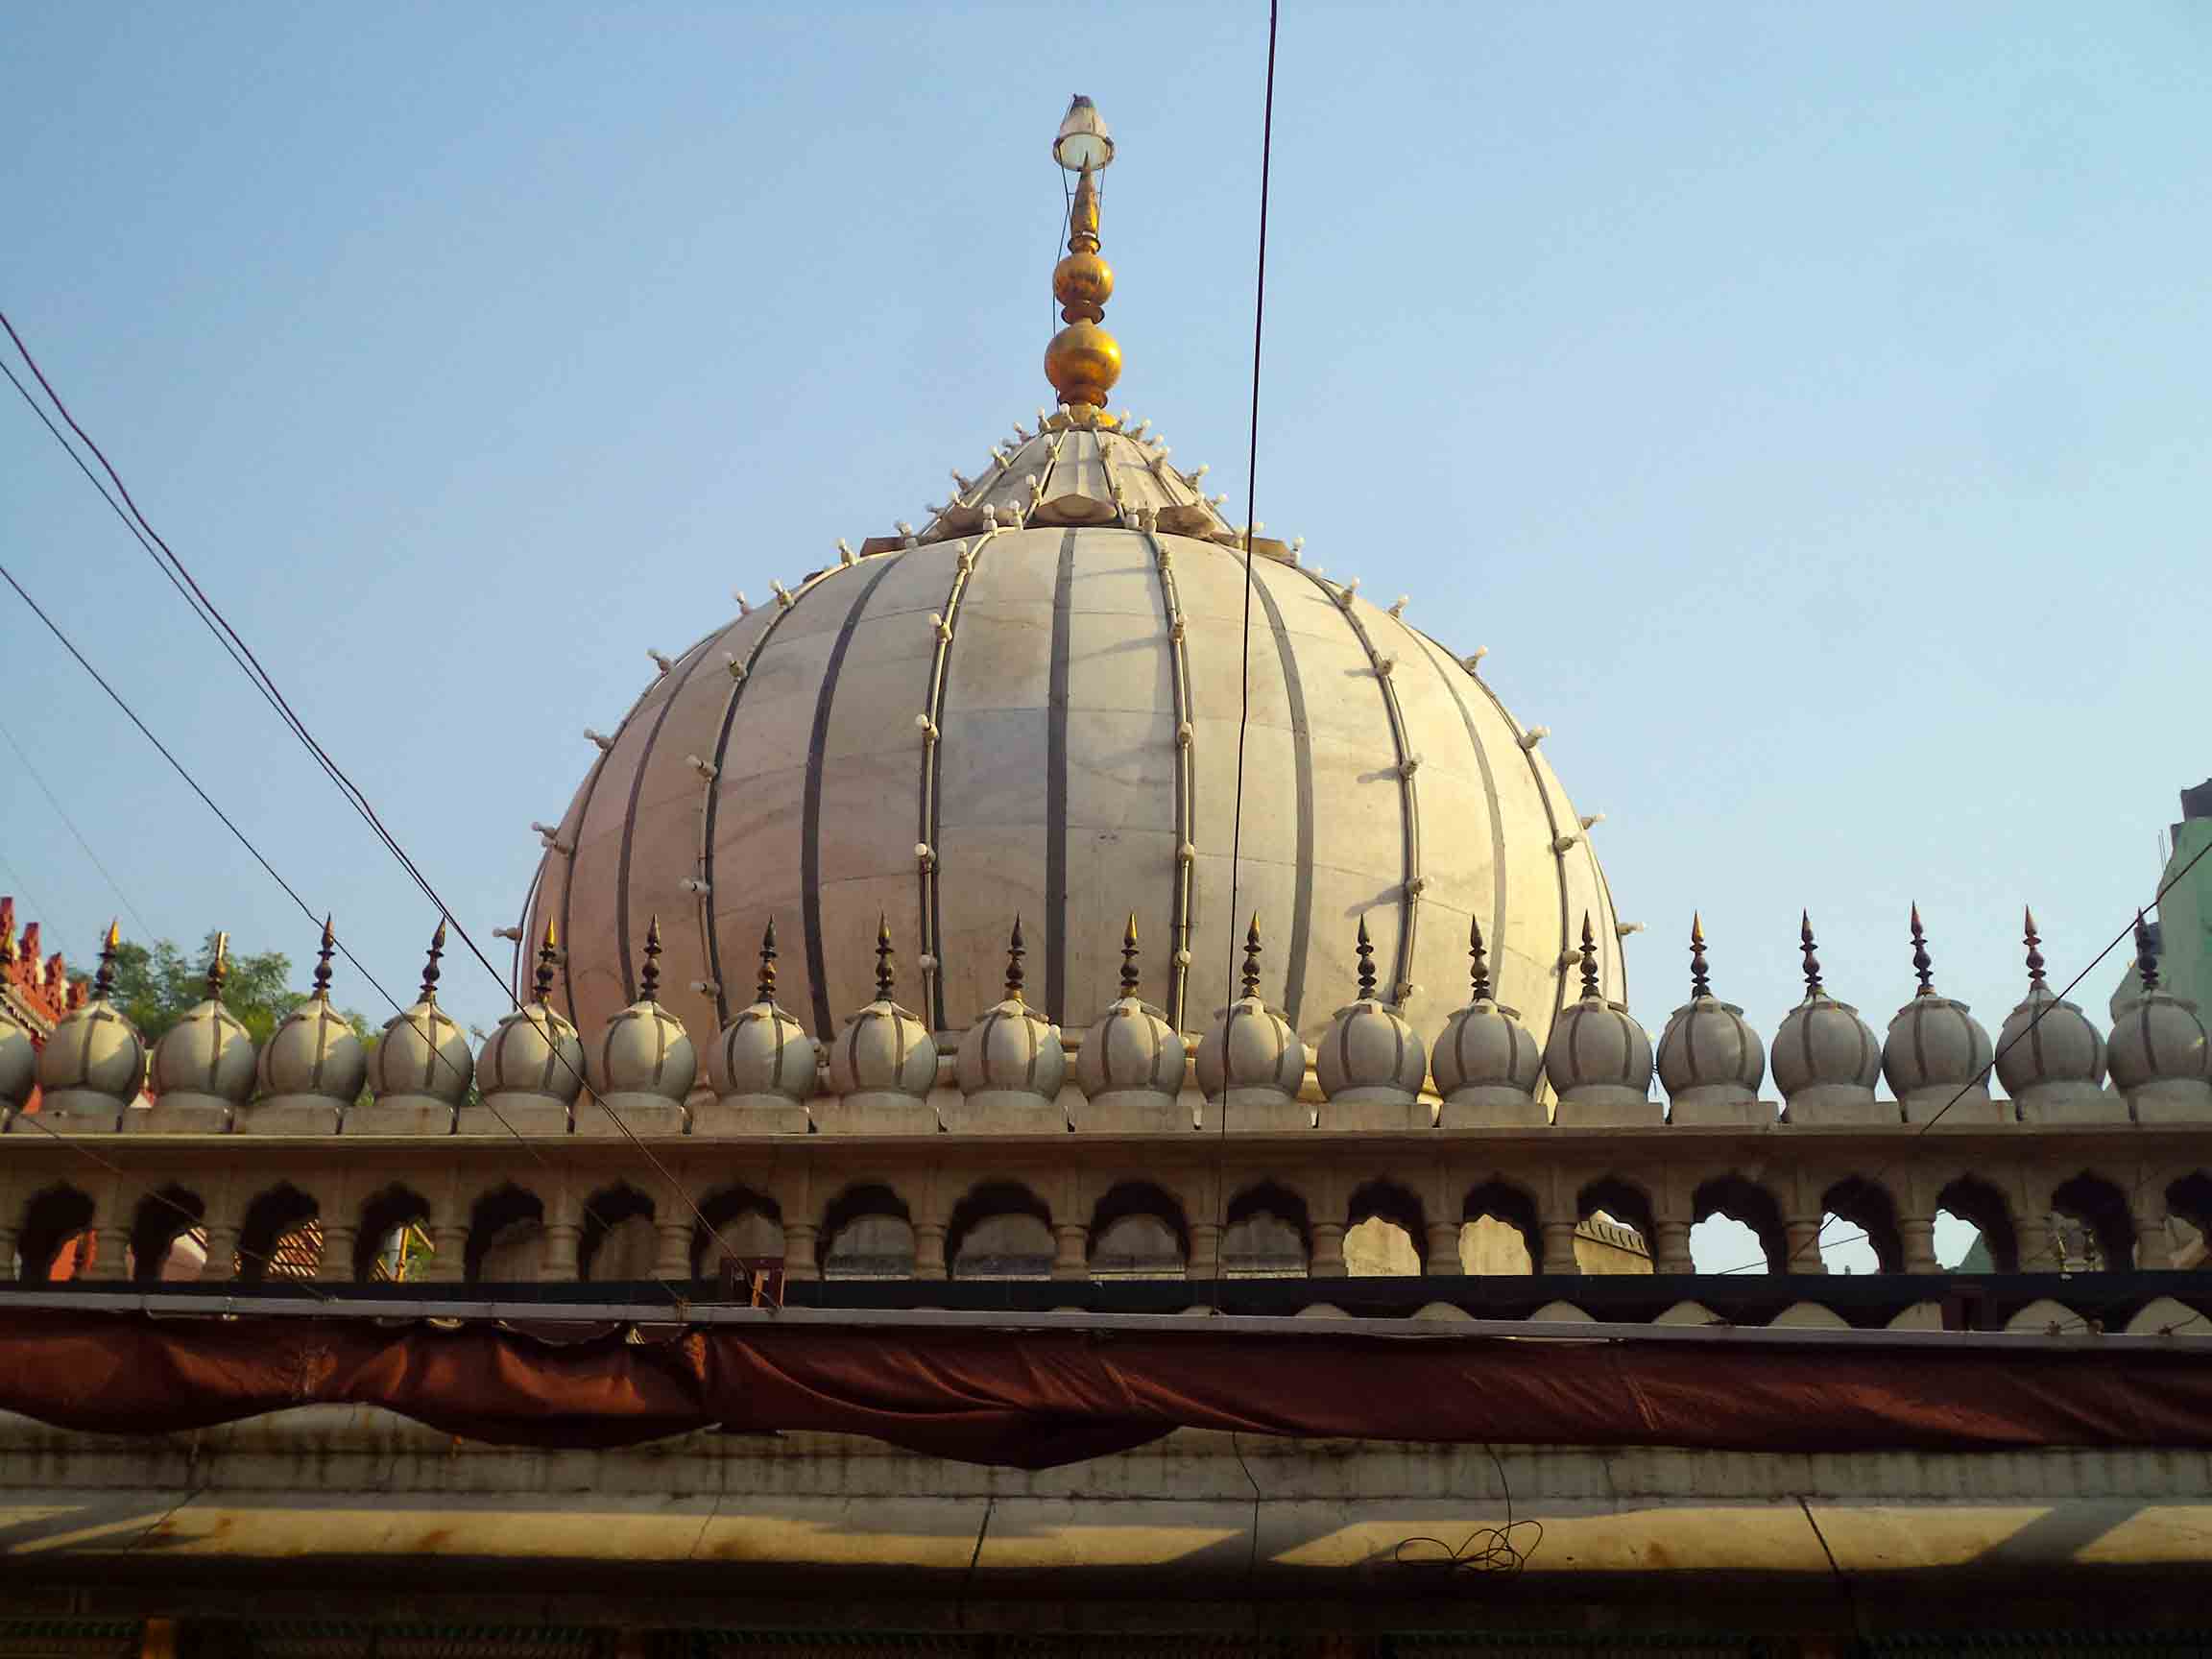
154	985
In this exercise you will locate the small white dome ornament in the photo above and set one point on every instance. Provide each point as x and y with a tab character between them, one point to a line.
1251	1064
642	1065
1936	1055
1132	1063
2050	1056
2160	1056
94	1061
203	1065
762	1064
1825	1057
313	1065
883	1063
1597	1058
1369	1063
532	1069
1011	1062
421	1070
1711	1062
1486	1062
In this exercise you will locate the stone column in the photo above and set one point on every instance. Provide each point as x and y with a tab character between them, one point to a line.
1918	1236
10	1267
1801	1246
1327	1257
1073	1258
929	1250
798	1251
221	1249
2152	1248
1205	1261
109	1254
337	1263
448	1254
557	1265
1443	1255
1673	1248
674	1261
1559	1247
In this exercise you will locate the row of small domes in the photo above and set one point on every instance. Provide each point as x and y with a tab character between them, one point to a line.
1935	1051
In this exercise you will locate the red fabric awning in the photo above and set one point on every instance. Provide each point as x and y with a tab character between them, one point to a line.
1033	1399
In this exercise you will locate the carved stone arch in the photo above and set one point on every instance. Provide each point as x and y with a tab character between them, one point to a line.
724	1214
2100	1204
2189	1200
617	1242
999	1229
506	1236
1983	1206
1868	1205
274	1214
1626	1200
163	1217
52	1216
872	1221
1139	1229
385	1216
1742	1200
1265	1225
1380	1199
1509	1203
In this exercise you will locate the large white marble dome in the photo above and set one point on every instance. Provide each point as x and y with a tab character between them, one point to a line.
1051	711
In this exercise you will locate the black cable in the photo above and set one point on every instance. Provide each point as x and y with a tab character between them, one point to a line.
70	824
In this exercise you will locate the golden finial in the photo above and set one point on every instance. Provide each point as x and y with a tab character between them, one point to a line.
1014	952
1129	980
104	981
218	967
1083	361
765	990
886	976
548	954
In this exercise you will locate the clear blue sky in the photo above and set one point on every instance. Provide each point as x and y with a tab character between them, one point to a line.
1806	407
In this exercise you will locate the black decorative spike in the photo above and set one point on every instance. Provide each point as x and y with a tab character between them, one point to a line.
1129	980
764	991
1700	985
2146	958
1923	965
549	958
104	981
322	955
1590	991
2032	939
649	976
1811	962
1252	957
1478	973
886	976
1367	950
430	963
1014	954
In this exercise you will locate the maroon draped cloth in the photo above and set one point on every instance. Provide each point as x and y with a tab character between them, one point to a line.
1034	1399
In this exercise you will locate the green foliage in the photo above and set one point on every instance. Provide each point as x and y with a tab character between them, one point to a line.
156	985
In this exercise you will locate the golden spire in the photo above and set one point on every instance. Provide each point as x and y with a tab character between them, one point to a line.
1083	361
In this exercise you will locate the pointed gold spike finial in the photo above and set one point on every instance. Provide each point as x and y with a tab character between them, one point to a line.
549	958
218	967
886	976
1590	990
765	990
322	954
1700	985
1129	980
1014	954
1083	361
104	981
1252	957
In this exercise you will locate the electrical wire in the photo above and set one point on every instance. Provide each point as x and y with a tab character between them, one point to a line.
250	665
1486	1548
78	835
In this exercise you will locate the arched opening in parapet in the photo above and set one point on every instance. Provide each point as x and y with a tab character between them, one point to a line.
747	1236
2189	1219
1859	1231
1736	1227
1974	1229
392	1244
506	1237
1498	1232
1267	1234
56	1238
1000	1230
1137	1231
1613	1232
1385	1231
281	1237
2091	1228
866	1234
168	1240
619	1244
